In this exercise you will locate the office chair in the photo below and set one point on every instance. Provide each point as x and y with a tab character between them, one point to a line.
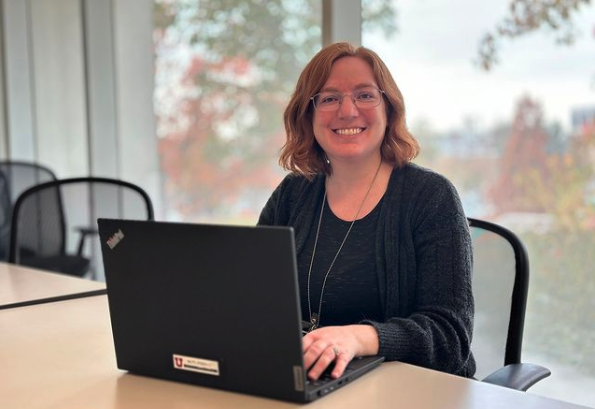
47	219
500	287
15	178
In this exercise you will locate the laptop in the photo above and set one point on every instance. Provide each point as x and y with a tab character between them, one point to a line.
211	305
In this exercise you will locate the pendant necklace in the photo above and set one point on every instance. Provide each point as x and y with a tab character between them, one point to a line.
315	317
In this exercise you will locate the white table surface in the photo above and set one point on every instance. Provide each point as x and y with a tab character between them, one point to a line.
21	285
60	355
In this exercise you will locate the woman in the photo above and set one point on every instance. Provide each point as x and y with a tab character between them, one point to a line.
383	247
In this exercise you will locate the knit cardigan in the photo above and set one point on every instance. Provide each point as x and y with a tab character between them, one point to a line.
423	261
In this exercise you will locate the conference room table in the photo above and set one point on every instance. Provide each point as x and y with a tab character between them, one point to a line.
60	355
20	286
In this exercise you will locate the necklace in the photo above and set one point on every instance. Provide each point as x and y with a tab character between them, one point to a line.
315	317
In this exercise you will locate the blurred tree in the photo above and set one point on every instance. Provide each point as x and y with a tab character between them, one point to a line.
538	175
563	269
524	176
573	184
428	139
224	72
526	16
379	15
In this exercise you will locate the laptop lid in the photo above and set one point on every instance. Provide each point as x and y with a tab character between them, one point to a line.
212	305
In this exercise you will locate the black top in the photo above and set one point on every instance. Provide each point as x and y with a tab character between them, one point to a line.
423	259
351	292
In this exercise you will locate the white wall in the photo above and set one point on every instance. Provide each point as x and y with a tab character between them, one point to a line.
58	81
20	121
3	125
137	151
78	94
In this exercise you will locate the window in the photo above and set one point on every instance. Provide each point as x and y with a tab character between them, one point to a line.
519	144
224	74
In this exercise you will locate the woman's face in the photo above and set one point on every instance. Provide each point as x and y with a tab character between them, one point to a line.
350	133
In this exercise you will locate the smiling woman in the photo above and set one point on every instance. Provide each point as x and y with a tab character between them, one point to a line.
352	131
365	219
355	71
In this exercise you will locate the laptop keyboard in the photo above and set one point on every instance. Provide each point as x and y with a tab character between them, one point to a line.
326	377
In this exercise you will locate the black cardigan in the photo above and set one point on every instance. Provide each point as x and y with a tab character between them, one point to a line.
423	260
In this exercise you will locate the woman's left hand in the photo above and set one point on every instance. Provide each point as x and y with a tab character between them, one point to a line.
338	344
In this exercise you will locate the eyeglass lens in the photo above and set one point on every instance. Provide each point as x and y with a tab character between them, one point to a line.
362	98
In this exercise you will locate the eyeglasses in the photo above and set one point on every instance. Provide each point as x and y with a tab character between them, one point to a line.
363	98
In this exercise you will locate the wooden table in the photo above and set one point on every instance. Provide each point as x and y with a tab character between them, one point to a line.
21	286
60	356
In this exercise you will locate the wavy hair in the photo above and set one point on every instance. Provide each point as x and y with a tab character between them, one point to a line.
301	154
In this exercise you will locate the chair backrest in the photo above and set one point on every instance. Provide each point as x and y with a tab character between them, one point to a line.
15	178
48	218
500	286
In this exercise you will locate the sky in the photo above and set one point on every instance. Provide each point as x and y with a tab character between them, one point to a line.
432	59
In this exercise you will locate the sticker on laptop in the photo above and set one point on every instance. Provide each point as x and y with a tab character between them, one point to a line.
188	363
115	239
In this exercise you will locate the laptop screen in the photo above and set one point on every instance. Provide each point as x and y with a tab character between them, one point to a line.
212	305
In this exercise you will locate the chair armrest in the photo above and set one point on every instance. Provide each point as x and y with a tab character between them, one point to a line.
518	376
84	232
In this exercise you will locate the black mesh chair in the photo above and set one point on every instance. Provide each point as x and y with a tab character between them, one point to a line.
500	287
15	178
52	221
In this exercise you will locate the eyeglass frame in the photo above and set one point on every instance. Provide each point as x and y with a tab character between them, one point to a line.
382	92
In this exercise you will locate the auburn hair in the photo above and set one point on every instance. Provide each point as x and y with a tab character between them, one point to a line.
301	154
